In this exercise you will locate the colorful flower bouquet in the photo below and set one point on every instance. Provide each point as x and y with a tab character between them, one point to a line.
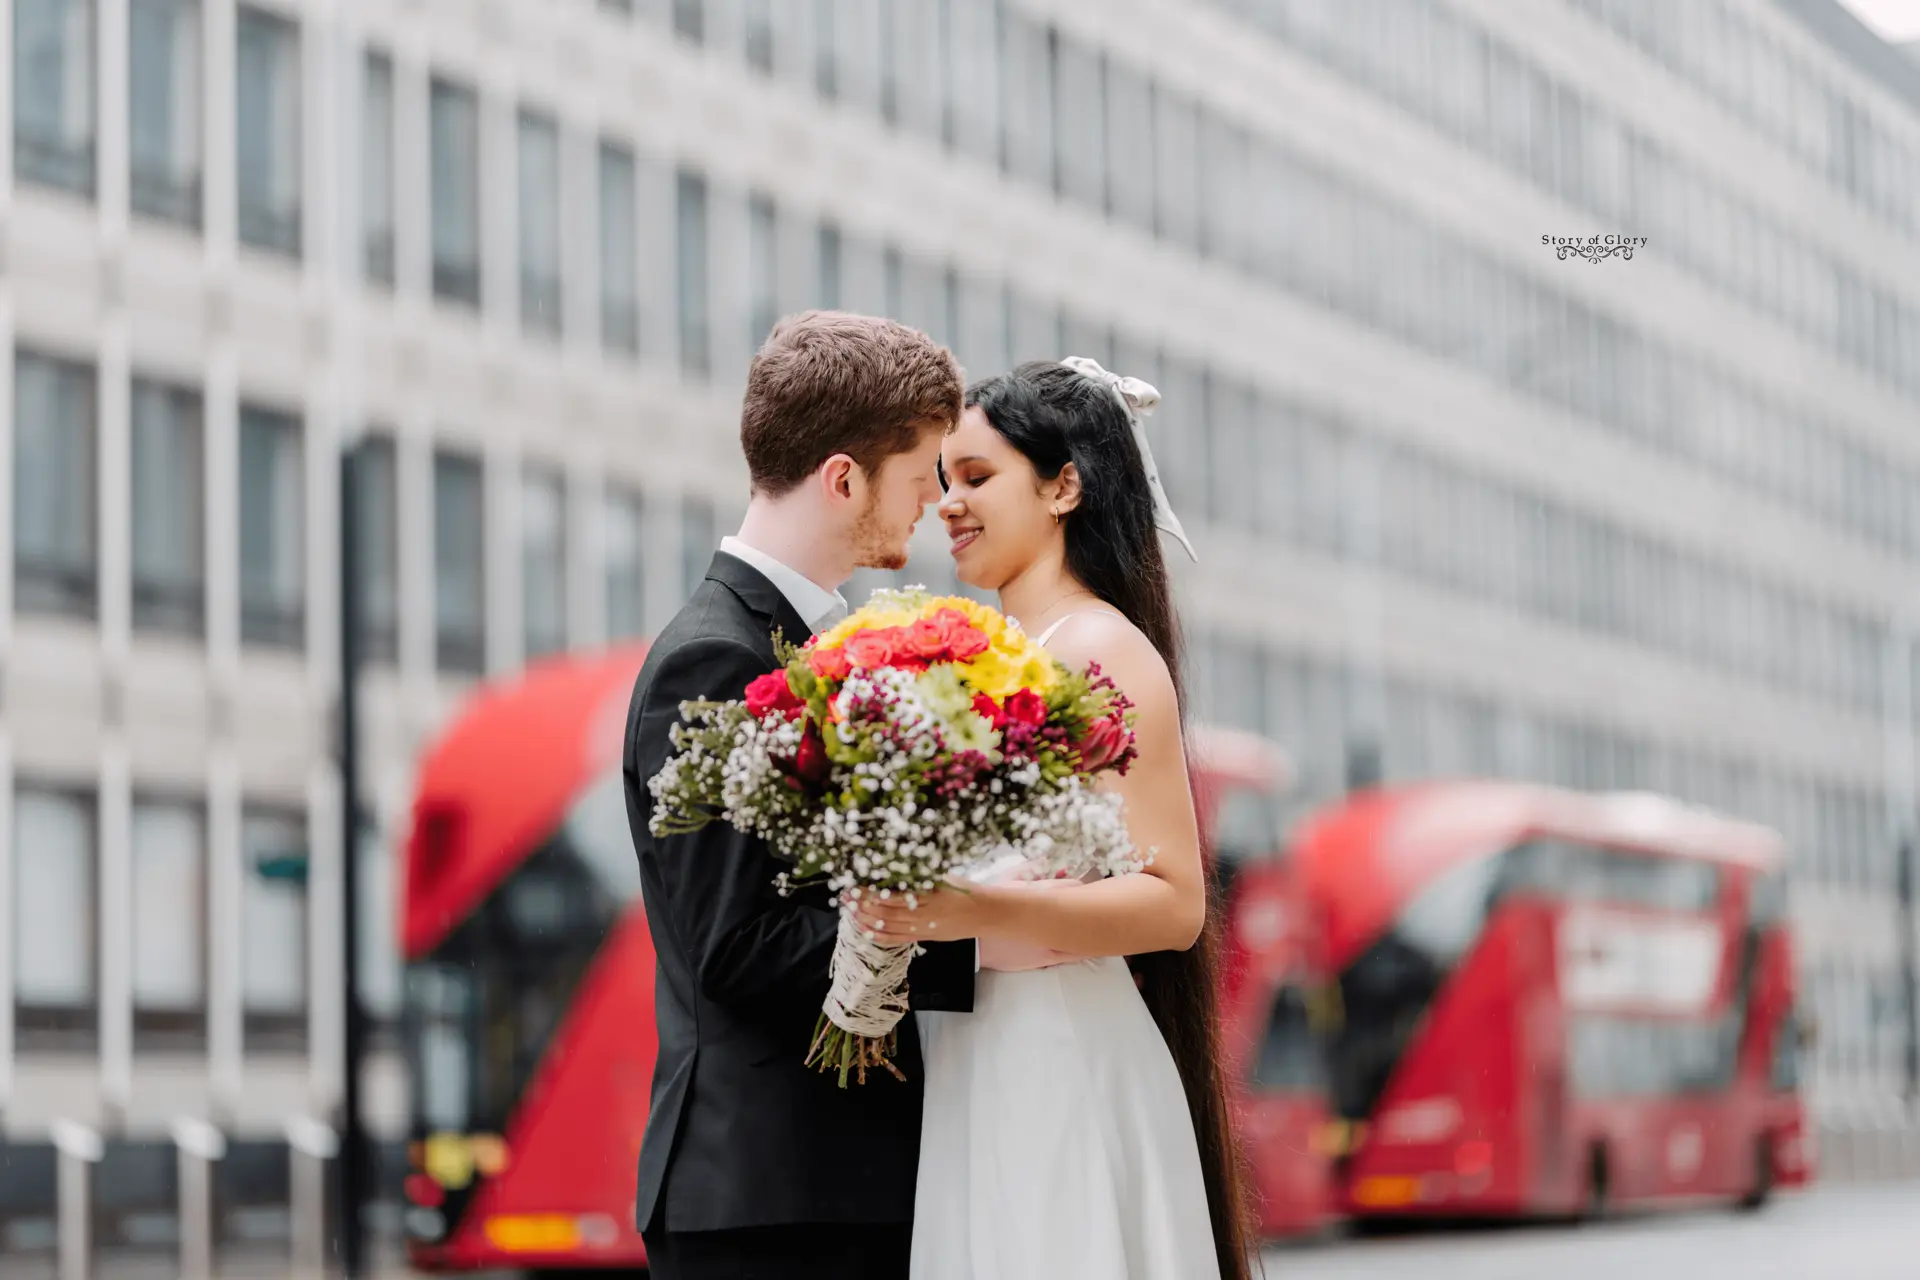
911	746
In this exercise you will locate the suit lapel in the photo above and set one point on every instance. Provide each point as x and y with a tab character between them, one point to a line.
759	595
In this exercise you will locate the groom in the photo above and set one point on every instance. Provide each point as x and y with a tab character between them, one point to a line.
753	1164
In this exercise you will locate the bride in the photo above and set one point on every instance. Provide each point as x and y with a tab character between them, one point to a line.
1076	1123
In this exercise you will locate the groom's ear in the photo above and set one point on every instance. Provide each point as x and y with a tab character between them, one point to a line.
840	476
1066	495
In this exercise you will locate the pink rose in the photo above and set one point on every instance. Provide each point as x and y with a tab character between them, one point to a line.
963	639
872	648
830	664
927	640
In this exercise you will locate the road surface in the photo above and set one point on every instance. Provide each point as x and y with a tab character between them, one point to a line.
1839	1233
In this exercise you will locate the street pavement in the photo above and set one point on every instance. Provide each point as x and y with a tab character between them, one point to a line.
1830	1233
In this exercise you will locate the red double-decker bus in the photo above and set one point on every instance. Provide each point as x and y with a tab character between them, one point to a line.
1553	1003
1272	985
529	974
529	980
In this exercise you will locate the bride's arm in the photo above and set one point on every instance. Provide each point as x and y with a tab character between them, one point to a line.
1161	909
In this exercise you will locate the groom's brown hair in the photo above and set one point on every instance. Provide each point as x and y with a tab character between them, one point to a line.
828	382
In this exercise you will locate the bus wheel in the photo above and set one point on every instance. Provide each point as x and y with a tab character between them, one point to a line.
1599	1185
1762	1190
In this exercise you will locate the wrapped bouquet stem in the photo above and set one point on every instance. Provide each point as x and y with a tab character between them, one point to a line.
902	750
865	1003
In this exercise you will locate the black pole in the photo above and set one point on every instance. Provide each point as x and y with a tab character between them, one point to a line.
353	1139
1909	965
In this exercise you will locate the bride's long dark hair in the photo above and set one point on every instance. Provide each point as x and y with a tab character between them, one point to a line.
1054	415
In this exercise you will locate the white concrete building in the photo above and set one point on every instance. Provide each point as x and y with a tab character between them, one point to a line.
1461	502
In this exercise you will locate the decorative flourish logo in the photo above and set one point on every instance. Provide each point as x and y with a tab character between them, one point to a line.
1594	248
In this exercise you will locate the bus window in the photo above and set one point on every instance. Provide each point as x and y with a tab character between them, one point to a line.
1289	1059
1789	1044
1587	873
440	1000
1769	901
1626	1057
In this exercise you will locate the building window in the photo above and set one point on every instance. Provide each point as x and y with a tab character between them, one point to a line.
699	539
757	17
377	544
889	38
543	562
53	97
455	142
763	269
459	579
54	487
267	130
273	928
1129	137
691	221
163	109
55	933
826	61
273	580
169	547
169	857
832	251
623	544
1176	175
376	170
1028	87
380	968
974	95
893	285
1079	96
619	251
540	299
690	20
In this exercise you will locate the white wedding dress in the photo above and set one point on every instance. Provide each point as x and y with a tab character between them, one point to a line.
1056	1143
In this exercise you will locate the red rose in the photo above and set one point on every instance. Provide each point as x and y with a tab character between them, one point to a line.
873	648
1024	706
772	692
963	640
830	664
811	761
1106	741
927	640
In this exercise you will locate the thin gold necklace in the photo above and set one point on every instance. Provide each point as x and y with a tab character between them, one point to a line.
1057	601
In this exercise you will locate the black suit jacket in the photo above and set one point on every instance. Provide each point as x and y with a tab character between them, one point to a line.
741	1133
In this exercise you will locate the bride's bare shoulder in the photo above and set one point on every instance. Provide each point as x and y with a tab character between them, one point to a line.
1124	653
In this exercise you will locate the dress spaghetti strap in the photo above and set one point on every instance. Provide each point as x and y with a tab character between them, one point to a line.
1062	621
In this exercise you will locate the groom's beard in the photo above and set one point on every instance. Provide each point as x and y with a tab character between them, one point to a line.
874	545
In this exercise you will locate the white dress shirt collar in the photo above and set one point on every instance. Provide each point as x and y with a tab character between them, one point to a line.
813	602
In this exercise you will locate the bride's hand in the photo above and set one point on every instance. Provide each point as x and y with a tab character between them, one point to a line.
943	915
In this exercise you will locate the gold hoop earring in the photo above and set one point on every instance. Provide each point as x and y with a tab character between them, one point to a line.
1056	515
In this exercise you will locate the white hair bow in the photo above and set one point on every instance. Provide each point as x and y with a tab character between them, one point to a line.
1138	399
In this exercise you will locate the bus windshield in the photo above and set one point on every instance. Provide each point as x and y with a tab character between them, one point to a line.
481	1007
1385	992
